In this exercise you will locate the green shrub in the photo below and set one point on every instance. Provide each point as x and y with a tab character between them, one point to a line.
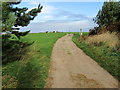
12	49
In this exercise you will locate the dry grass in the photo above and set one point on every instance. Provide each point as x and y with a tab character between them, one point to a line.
108	39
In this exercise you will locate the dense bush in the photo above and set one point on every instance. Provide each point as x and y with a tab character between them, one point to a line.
110	13
93	31
12	49
108	18
113	27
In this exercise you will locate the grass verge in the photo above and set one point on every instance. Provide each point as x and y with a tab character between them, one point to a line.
32	70
106	57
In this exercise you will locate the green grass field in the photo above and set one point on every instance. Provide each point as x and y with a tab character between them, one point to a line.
32	70
106	57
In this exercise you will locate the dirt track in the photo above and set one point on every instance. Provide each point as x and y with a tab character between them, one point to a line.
71	68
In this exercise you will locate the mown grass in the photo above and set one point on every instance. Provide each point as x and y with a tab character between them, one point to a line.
32	70
106	57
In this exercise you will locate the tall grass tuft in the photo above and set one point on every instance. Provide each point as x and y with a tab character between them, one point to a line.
107	39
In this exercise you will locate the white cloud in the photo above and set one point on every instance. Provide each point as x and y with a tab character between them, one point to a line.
47	17
60	26
46	13
34	3
52	18
47	9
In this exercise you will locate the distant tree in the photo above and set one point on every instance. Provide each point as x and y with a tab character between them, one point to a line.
46	32
53	31
109	13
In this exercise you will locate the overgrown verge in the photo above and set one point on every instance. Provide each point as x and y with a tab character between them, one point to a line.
32	69
102	50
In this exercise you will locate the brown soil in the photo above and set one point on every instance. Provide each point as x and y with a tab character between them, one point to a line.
72	68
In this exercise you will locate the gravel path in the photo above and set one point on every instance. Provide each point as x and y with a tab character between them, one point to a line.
70	67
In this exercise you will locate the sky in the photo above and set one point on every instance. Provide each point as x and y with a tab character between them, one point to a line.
62	16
